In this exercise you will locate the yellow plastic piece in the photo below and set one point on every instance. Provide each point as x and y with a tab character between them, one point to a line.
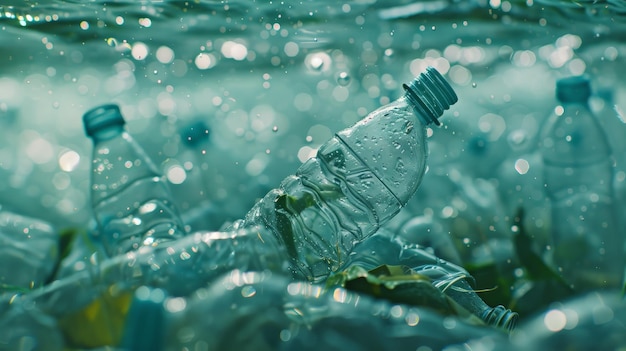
99	324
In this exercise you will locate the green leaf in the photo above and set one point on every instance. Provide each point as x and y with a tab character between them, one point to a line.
400	284
534	265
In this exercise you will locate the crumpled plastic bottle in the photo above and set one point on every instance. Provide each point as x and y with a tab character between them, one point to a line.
383	248
261	311
357	182
29	250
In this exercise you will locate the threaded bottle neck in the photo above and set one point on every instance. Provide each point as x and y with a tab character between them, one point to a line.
500	317
430	95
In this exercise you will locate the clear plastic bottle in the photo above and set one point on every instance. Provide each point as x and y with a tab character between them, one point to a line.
357	182
578	176
29	250
130	197
383	248
195	196
92	303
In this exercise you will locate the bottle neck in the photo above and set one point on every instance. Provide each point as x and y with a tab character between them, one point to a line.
107	133
579	104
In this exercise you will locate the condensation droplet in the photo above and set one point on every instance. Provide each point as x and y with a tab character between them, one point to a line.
408	127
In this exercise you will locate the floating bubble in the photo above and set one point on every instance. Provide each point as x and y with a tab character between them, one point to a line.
303	102
318	61
40	150
139	51
111	42
145	22
460	75
522	166
69	160
205	61
555	320
236	51
248	291
291	49
305	153
165	54
343	78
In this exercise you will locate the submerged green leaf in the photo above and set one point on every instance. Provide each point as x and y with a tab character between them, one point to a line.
399	284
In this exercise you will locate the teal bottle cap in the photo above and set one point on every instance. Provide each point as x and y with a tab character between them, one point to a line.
102	117
430	94
573	89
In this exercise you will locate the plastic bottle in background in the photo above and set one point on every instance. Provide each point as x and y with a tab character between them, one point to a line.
29	250
613	120
383	248
578	176
194	195
259	311
130	197
521	186
357	182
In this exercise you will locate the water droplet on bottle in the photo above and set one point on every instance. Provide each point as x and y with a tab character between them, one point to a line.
408	127
275	129
343	79
474	85
400	168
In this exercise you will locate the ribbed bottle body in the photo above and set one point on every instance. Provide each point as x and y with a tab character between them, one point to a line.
357	182
578	175
130	198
